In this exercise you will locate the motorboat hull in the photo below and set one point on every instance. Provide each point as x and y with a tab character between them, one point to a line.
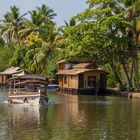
27	99
27	89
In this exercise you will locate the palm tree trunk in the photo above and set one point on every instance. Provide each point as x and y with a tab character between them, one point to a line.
136	67
134	55
136	71
136	74
36	68
122	88
132	67
127	76
19	47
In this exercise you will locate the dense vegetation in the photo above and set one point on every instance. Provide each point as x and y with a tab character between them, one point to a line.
108	31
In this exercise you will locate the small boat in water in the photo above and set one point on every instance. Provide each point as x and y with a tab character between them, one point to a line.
53	88
53	85
28	89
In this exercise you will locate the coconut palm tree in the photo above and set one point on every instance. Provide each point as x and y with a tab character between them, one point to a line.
11	24
9	28
41	26
132	12
33	41
46	49
39	21
47	12
32	25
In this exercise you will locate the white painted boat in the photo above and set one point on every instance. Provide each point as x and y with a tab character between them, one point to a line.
28	89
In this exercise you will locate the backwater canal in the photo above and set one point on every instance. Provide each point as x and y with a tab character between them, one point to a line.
71	117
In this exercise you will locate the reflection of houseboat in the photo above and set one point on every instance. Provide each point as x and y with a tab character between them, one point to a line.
81	76
27	89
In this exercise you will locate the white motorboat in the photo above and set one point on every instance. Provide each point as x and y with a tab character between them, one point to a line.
28	89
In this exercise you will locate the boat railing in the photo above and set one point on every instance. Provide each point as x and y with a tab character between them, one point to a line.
22	91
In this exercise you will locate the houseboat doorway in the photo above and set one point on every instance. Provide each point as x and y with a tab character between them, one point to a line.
91	81
81	80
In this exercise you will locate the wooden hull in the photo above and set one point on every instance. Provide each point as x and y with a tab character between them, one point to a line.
31	99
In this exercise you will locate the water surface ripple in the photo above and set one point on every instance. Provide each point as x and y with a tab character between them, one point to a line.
71	117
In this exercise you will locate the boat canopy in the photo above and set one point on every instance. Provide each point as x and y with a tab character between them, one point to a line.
28	79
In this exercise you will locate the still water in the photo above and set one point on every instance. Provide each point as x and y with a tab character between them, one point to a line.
71	117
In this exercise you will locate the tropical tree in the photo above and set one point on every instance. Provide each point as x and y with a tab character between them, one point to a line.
11	24
100	34
47	12
39	22
132	12
5	54
33	42
41	26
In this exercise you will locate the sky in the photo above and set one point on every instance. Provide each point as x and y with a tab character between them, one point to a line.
65	9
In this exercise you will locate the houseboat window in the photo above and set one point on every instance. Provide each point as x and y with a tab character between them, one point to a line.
65	79
30	87
91	81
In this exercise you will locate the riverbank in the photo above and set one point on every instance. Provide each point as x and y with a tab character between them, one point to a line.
135	95
112	91
116	92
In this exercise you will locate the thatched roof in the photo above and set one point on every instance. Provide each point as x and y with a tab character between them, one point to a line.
81	60
32	77
81	65
77	71
12	70
85	66
30	81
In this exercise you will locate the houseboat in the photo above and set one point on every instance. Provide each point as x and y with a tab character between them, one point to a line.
81	76
27	89
9	73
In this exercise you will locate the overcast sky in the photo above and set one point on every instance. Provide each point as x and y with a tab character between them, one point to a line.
65	9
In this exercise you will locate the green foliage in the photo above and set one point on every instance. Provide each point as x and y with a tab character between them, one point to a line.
101	32
106	32
18	55
27	38
5	55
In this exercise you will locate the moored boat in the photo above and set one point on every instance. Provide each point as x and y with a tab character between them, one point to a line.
28	89
52	88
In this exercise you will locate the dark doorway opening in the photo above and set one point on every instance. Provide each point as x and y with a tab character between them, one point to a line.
91	81
81	80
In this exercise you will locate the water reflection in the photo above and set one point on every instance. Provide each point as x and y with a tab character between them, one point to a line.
72	117
22	120
77	116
